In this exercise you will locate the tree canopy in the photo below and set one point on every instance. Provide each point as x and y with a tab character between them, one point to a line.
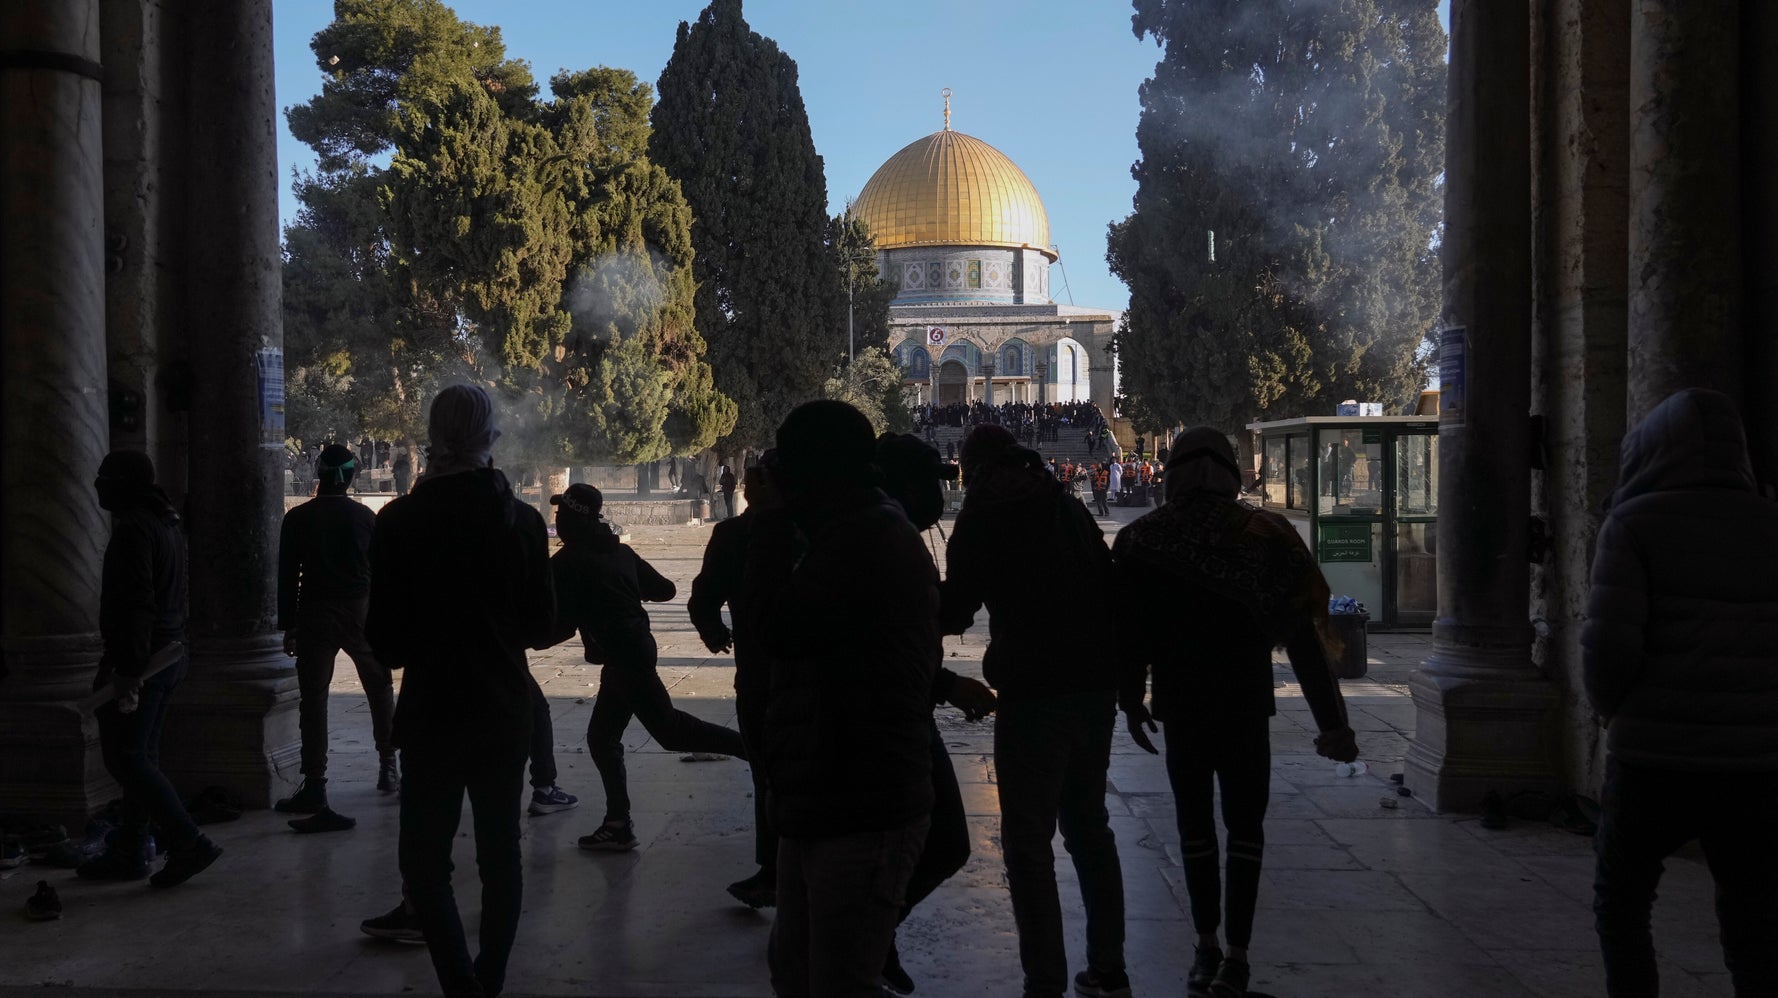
1282	254
730	126
460	226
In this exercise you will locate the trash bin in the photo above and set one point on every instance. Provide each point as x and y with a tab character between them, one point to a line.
700	508
1349	629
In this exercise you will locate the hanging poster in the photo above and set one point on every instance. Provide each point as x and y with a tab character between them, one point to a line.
271	397
1452	350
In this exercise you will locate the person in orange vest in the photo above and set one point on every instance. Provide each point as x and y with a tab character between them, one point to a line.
1101	484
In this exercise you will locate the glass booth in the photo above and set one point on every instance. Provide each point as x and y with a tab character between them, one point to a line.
1363	492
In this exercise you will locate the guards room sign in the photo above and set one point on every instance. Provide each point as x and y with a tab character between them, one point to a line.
935	336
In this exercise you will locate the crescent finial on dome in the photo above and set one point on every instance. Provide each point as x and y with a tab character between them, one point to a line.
946	94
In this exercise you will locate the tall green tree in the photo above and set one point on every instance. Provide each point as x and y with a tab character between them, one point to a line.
731	128
1282	254
522	242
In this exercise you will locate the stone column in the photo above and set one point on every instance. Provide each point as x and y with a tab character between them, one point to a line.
234	720
988	380
53	408
1685	200
1484	713
1759	159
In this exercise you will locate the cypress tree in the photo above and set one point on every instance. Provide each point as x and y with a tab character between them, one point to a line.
731	128
1282	252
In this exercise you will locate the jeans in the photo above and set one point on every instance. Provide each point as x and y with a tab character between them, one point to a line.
947	840
1647	814
839	900
630	686
1237	752
131	747
543	740
434	779
1050	757
323	628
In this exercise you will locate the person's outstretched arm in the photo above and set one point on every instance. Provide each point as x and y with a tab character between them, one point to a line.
1308	659
655	587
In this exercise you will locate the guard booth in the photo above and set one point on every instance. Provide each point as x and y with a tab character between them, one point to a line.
1363	492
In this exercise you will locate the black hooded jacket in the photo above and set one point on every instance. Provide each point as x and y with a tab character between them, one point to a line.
847	613
1037	559
1680	649
601	583
460	587
142	588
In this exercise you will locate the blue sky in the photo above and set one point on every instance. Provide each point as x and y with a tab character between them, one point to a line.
1050	83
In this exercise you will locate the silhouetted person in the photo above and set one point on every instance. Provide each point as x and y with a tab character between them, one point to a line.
1101	488
142	602
460	587
723	579
1680	658
913	476
848	613
323	594
1056	677
601	584
402	469
1231	582
726	482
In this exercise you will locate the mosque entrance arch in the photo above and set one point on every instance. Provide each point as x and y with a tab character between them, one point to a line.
953	382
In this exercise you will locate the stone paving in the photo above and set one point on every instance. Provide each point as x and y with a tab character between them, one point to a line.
1357	899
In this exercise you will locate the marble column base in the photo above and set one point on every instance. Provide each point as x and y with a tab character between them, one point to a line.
50	765
1479	730
233	722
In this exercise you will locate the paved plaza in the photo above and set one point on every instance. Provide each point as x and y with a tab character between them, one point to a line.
1358	898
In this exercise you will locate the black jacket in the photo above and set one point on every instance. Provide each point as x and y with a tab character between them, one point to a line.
600	586
323	553
1018	536
142	588
460	587
848	614
722	579
1680	649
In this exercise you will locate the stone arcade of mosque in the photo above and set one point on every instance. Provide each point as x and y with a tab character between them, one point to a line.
962	233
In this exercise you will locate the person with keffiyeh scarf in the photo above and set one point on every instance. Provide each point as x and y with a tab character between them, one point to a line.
1234	582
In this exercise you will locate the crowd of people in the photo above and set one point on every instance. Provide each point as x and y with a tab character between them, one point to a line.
836	614
1029	423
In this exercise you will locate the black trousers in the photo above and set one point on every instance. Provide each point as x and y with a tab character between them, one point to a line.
434	780
131	747
630	687
543	740
1645	816
323	628
1237	753
750	711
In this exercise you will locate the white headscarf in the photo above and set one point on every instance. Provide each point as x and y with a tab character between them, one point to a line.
461	427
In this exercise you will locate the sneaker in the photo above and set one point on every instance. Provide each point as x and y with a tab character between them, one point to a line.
324	820
757	891
309	798
114	865
43	906
894	977
1203	972
12	852
1091	983
186	863
1231	979
401	925
550	799
611	838
389	776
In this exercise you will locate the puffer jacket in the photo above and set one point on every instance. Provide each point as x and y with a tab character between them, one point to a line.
847	614
1680	648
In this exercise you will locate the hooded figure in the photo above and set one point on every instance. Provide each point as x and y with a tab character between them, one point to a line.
1050	660
1231	582
142	601
1680	658
460	587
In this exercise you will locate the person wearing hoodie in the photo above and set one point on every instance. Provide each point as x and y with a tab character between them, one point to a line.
323	588
142	604
601	584
1679	656
848	748
1057	708
460	587
722	579
1233	582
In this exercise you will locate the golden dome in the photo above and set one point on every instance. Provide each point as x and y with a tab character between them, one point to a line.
951	189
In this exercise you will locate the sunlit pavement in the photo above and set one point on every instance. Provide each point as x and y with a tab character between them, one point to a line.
1357	899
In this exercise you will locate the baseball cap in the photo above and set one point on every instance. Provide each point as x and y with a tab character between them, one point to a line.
580	498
